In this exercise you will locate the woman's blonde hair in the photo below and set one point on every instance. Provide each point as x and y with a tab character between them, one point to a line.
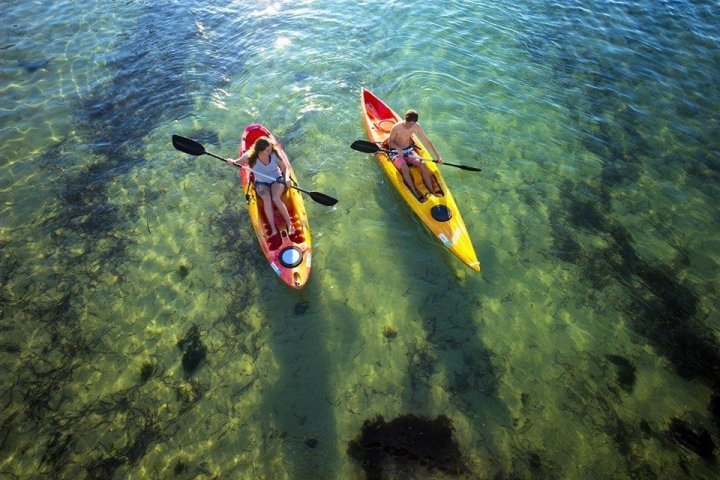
261	143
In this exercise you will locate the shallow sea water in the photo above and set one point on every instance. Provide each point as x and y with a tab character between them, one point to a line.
586	347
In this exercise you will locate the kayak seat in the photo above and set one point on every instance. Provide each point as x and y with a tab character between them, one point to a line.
385	125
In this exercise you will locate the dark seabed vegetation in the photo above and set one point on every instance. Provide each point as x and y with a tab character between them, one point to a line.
86	230
660	308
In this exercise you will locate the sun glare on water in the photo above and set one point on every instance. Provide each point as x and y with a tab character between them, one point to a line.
282	42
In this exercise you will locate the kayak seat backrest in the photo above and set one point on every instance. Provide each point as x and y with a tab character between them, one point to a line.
385	125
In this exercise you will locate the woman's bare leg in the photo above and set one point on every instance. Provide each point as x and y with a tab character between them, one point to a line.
277	190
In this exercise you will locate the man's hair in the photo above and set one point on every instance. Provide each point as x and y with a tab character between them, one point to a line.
411	116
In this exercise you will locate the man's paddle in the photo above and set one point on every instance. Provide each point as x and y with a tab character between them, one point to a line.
369	147
194	148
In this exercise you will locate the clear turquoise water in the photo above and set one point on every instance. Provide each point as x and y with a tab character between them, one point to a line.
589	336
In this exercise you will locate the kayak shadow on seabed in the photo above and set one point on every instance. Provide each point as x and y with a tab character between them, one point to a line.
451	353
297	417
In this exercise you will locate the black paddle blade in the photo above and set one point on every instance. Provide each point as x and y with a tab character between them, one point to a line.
323	199
365	146
187	146
463	167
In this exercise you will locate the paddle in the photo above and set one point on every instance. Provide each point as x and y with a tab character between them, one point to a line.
194	148
369	147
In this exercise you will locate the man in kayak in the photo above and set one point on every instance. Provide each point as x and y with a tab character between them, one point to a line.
402	154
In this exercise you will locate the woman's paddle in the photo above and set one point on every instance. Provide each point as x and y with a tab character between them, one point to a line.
369	147
194	148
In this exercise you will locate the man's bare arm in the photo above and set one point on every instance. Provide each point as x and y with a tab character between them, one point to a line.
426	141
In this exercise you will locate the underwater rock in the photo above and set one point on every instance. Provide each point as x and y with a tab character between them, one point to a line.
300	76
195	351
146	371
180	467
389	333
183	271
407	441
301	308
625	371
32	66
534	462
701	443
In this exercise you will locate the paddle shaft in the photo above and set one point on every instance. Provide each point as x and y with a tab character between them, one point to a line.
370	147
418	157
326	200
192	147
258	174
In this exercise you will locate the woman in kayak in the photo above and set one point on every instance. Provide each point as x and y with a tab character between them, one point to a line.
271	177
402	154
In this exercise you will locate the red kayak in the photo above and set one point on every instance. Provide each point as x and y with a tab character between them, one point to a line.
290	256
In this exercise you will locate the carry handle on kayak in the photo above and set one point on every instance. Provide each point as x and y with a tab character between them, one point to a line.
369	147
192	147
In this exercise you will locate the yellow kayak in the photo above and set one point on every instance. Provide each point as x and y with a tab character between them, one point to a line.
439	213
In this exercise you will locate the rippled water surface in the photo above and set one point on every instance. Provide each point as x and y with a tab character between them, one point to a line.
587	347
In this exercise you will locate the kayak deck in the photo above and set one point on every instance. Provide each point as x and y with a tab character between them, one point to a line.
290	256
438	212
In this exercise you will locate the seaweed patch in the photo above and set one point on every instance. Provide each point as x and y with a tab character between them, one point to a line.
147	371
700	442
301	307
194	350
714	409
61	426
183	271
408	444
625	371
662	308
